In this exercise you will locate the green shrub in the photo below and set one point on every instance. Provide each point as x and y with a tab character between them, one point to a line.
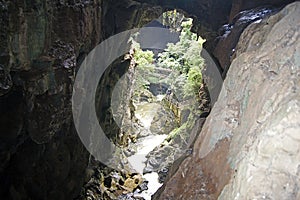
144	65
143	59
184	57
194	81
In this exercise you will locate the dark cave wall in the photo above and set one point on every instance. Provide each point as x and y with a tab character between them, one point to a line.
42	44
41	155
211	14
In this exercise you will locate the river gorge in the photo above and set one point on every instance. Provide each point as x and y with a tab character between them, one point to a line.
203	103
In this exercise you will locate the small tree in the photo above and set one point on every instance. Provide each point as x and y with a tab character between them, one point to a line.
185	53
184	56
144	64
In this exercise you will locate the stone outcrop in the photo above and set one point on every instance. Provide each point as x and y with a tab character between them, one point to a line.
230	34
249	145
240	5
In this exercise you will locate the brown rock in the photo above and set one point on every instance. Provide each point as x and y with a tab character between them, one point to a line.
249	142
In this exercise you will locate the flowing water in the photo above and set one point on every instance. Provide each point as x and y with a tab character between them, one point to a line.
145	112
137	161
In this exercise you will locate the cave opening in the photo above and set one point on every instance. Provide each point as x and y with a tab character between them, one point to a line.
248	147
159	84
153	97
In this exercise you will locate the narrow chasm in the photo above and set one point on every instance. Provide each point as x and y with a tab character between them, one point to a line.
159	103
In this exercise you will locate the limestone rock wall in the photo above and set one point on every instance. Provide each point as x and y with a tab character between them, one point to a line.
249	147
265	145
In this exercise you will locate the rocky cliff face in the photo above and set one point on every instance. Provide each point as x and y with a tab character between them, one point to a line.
249	145
41	156
42	45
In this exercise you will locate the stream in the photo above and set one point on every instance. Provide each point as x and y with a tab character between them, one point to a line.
137	161
145	112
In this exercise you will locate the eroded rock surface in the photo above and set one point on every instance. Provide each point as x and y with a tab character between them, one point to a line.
230	33
249	145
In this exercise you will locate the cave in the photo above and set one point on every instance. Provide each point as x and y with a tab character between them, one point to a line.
243	142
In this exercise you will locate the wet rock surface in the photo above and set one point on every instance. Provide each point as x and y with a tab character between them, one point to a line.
248	147
241	5
230	33
163	122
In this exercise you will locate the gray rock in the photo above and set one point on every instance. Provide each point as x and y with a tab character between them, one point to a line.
250	143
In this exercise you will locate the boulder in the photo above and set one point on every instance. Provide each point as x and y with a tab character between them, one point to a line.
249	145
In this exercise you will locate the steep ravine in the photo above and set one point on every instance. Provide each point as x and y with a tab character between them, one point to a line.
42	44
155	114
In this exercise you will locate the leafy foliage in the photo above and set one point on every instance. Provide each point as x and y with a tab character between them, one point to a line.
184	56
194	81
185	53
143	59
173	20
144	65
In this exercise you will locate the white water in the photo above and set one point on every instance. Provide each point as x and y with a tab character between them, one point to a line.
137	161
160	97
153	186
145	113
145	146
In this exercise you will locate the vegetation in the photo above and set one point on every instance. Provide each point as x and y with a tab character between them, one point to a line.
184	54
184	57
194	81
173	19
144	65
143	59
184	130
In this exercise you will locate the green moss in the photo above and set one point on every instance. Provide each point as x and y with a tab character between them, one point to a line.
184	130
176	132
144	65
194	81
